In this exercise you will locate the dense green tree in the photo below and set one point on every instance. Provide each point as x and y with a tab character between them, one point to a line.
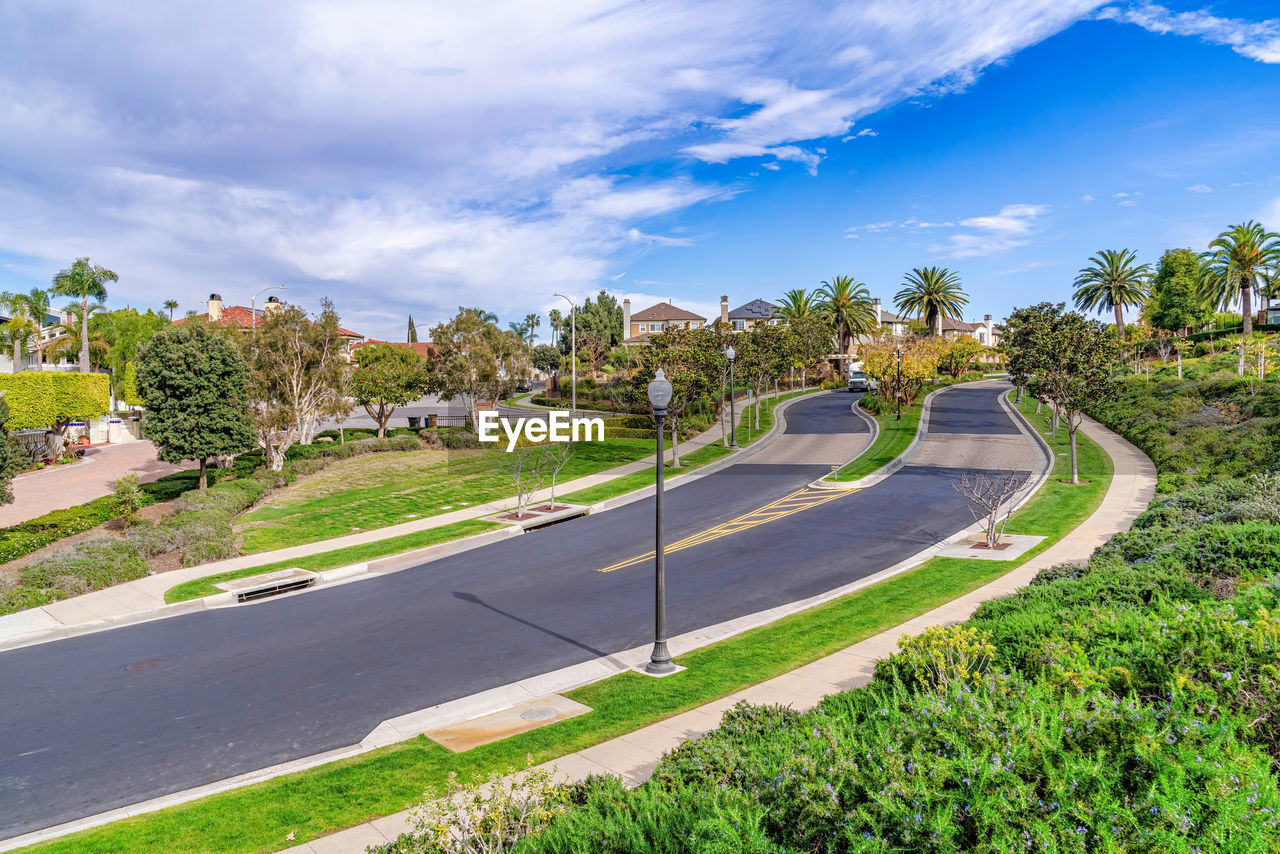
599	323
86	281
413	332
387	377
1176	303
193	381
931	294
846	305
1113	281
123	332
811	337
693	361
1240	257
474	360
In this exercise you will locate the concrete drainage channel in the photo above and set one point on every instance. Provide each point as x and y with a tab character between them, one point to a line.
259	587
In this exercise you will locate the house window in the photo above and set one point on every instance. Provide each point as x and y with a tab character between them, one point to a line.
738	326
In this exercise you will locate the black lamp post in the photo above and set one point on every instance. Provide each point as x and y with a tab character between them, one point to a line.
898	390
660	659
733	414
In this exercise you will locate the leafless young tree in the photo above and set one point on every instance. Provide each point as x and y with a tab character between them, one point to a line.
557	455
527	468
990	493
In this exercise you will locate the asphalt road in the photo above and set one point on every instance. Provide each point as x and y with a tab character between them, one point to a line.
222	692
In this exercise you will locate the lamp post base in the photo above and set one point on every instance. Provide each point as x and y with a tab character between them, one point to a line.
660	661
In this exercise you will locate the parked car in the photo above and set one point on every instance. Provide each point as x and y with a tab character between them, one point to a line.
523	386
859	381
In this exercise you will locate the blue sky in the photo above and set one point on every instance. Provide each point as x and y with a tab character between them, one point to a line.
407	157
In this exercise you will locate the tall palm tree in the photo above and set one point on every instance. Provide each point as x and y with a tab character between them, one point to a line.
63	342
797	304
1241	256
531	322
83	280
846	305
171	304
19	328
1113	282
931	294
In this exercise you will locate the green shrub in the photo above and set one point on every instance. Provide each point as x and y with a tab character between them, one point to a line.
630	433
85	567
26	537
940	657
875	404
129	499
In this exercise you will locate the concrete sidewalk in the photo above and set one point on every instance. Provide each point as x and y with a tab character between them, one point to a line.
634	756
144	598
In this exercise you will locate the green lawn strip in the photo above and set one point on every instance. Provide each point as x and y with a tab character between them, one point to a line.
322	800
461	480
198	587
893	439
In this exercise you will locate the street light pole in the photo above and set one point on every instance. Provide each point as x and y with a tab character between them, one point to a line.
573	348
253	304
660	659
733	412
898	389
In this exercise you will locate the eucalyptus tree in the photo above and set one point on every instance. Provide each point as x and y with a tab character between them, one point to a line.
83	280
1113	281
845	303
1241	257
931	294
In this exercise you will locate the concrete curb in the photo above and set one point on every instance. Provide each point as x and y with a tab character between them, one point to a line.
908	454
822	482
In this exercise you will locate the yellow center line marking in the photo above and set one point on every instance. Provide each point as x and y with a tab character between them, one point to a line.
788	505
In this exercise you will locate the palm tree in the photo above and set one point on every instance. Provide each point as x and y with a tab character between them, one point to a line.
19	328
1241	256
797	304
846	305
63	343
1113	282
485	316
532	322
932	294
171	304
83	280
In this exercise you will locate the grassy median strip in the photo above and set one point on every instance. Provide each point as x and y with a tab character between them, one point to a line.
893	439
199	587
314	803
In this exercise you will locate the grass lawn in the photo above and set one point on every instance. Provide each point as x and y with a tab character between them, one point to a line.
199	587
313	803
893	439
378	490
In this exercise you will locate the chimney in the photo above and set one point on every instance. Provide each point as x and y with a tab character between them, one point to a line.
626	319
215	308
724	310
272	305
875	306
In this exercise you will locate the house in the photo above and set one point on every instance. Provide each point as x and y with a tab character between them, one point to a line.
34	358
985	332
245	319
745	317
656	318
892	324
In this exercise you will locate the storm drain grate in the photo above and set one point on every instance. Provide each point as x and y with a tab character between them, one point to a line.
287	585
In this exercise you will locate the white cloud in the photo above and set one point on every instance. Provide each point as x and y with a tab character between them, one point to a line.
1258	40
1086	198
1128	203
1200	188
418	156
994	233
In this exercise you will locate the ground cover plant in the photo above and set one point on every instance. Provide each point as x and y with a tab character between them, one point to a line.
316	802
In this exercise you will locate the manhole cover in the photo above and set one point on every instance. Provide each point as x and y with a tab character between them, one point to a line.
541	713
145	664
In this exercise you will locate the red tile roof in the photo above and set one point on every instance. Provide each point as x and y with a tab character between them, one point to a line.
241	317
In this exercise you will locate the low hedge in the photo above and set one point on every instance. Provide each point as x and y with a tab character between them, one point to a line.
629	433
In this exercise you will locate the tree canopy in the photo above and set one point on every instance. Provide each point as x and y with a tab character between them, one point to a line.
387	377
1112	281
86	281
1176	302
194	384
932	293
